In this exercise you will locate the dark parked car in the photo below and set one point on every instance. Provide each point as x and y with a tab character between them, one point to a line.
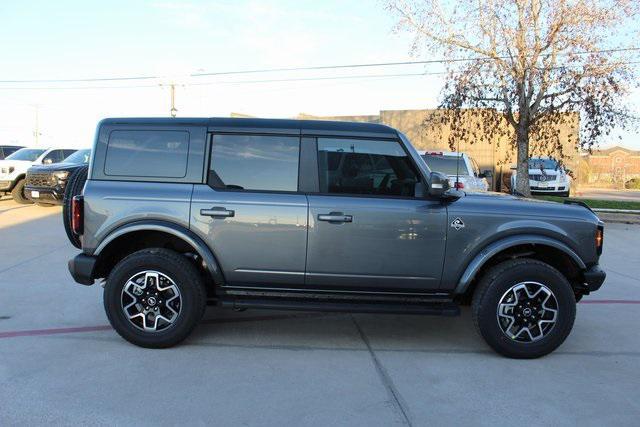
313	215
45	185
7	150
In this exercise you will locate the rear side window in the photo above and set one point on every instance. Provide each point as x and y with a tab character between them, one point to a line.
448	165
368	167
254	162
147	153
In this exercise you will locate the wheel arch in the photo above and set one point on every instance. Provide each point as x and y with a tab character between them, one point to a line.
552	251
143	234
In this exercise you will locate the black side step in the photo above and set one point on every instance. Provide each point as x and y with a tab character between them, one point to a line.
434	309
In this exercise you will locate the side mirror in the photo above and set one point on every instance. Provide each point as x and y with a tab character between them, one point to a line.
486	174
47	161
438	184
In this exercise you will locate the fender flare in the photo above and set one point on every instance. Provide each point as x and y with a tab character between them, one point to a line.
492	249
210	262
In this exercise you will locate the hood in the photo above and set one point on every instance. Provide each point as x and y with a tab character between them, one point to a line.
507	204
54	167
18	165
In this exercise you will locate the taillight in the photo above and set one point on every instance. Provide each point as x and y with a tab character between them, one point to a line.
459	185
599	239
77	215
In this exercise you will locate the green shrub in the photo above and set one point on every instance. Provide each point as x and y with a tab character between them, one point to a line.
633	184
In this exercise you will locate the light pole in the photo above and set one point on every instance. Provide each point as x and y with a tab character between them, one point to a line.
173	110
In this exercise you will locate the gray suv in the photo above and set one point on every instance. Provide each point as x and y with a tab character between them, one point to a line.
177	214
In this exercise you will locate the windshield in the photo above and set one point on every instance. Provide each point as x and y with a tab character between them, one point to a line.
80	156
543	164
29	154
446	165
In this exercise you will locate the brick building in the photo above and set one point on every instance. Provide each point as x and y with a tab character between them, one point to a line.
610	167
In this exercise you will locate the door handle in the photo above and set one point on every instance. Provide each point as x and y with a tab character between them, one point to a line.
217	212
335	217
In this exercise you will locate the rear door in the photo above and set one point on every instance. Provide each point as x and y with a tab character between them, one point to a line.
367	228
250	212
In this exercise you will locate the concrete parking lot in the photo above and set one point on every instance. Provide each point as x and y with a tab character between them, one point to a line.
61	363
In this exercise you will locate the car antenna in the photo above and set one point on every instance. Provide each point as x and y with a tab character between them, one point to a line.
457	183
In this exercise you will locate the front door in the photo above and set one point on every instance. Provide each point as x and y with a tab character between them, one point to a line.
367	230
251	213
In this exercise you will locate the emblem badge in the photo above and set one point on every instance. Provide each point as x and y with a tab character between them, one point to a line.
457	224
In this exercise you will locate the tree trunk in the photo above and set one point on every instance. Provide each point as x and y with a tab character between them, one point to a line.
522	168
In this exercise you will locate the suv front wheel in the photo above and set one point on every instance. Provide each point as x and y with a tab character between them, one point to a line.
154	298
524	308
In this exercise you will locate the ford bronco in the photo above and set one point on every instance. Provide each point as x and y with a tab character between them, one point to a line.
316	215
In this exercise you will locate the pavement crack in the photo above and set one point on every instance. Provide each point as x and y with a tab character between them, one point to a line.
393	392
624	275
26	261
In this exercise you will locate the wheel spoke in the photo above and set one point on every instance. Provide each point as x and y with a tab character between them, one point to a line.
151	301
527	312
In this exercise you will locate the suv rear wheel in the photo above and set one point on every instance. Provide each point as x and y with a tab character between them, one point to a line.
154	298
524	308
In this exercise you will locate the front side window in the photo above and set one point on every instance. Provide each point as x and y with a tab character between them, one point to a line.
142	153
254	162
54	156
367	167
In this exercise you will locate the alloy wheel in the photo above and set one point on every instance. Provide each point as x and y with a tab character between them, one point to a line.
527	312
151	301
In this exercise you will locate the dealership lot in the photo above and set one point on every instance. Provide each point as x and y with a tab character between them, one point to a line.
60	362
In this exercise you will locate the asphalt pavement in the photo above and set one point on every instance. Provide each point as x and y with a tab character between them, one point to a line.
61	363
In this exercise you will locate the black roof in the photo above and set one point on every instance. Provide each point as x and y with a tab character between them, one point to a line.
276	125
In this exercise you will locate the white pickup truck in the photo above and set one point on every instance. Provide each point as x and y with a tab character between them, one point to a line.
13	169
462	170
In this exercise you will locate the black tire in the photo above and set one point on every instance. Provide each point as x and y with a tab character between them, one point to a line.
494	285
186	278
564	194
18	194
74	187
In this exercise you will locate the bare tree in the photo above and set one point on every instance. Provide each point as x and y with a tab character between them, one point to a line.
523	67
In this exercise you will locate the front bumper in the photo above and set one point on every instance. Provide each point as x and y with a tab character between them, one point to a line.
50	195
81	268
535	188
594	278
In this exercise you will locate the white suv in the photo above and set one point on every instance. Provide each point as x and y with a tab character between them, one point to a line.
460	166
546	176
13	169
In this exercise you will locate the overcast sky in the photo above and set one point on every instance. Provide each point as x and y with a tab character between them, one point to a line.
169	40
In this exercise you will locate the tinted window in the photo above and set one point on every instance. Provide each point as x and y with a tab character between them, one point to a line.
448	165
147	153
252	162
352	166
80	156
10	150
54	156
67	153
543	164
